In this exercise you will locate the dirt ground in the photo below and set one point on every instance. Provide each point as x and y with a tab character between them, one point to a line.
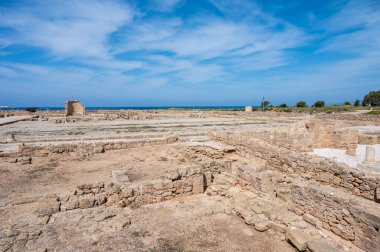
202	222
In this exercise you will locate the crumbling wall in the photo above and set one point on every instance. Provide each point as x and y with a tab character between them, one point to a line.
306	135
74	108
351	219
304	164
87	148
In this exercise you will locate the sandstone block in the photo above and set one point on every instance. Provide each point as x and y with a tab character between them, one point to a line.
47	206
86	203
199	183
173	175
262	226
312	220
299	239
120	177
323	245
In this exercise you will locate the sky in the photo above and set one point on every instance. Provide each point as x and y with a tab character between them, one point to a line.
187	52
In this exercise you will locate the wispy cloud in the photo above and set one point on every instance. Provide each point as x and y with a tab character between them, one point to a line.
185	49
66	28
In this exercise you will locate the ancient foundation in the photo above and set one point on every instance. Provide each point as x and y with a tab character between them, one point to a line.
185	180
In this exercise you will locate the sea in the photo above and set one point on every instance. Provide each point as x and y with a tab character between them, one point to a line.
135	108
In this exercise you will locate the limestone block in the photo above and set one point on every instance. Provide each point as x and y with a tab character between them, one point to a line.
312	220
173	175
262	226
299	239
86	203
47	206
199	184
120	177
323	245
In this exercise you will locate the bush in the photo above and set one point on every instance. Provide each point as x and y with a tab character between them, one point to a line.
319	104
265	104
372	98
357	103
31	110
283	105
347	103
301	104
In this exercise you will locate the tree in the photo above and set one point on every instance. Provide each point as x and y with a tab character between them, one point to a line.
357	103
265	104
283	105
301	104
31	110
347	103
319	104
372	98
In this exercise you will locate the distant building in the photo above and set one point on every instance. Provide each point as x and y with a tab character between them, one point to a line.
74	108
248	108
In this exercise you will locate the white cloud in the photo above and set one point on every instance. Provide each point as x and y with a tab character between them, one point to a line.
67	28
164	5
354	29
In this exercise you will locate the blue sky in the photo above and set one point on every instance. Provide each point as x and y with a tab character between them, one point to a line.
194	52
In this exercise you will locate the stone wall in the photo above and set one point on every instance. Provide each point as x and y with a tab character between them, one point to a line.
88	148
306	165
306	135
74	108
369	139
352	219
130	194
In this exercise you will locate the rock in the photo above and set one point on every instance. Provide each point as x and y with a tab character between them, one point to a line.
299	224
86	203
312	220
120	177
199	182
70	205
24	160
47	206
99	149
24	200
323	245
13	160
299	239
173	175
262	226
257	209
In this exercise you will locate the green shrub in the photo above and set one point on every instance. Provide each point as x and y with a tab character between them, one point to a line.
357	103
347	103
372	98
319	104
31	110
301	104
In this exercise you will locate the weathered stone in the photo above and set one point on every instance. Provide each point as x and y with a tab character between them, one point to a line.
199	183
299	239
312	220
47	206
323	245
86	203
120	177
173	175
262	226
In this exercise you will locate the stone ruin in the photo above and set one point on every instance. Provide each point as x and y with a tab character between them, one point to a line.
74	108
314	202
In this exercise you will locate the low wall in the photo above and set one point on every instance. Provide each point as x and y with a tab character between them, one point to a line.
134	194
352	219
88	148
304	164
306	135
